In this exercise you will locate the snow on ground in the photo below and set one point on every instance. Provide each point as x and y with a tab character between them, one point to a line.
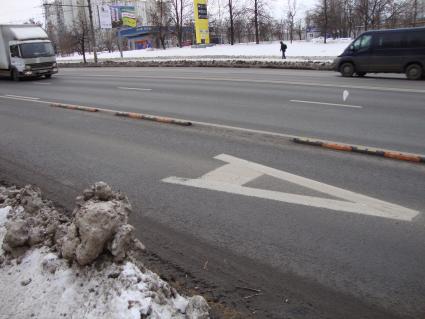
267	50
41	285
30	290
3	214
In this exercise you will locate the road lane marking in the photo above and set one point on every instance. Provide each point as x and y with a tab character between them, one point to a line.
21	97
231	177
42	83
325	103
329	85
135	89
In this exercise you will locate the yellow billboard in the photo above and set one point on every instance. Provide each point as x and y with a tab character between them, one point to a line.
201	21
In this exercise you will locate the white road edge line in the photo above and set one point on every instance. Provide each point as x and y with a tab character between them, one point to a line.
135	89
42	83
325	103
22	97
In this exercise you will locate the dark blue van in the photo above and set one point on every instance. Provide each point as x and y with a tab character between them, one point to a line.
385	51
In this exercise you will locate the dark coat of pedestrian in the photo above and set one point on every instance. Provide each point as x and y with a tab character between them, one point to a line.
283	48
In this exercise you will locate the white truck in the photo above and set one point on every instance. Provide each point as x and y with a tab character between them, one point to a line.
26	51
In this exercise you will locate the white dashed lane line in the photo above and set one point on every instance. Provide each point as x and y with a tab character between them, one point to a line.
329	104
22	97
133	89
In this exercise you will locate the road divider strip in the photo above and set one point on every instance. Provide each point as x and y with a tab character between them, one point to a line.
74	107
132	115
409	157
362	149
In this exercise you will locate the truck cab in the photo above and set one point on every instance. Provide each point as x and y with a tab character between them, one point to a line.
26	51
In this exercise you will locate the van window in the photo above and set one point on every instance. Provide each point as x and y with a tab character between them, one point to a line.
366	41
362	43
415	40
388	40
14	51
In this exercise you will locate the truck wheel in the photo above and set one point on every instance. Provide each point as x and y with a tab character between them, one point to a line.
14	75
48	76
414	72
347	69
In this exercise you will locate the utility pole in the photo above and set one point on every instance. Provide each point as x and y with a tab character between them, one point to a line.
92	31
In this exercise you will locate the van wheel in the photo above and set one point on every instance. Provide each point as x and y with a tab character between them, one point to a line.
414	72
347	69
14	75
361	74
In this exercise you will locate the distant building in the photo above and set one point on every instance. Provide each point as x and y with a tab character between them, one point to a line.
312	33
63	16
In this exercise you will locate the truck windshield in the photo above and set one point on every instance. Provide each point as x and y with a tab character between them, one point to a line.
35	50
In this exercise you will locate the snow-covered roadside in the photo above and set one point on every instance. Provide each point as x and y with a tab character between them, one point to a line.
298	50
223	63
37	281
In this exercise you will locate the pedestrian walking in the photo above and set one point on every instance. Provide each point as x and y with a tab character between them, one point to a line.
283	49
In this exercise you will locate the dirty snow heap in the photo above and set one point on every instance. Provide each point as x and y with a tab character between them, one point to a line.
81	266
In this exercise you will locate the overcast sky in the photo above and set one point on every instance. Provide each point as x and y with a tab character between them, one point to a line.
19	11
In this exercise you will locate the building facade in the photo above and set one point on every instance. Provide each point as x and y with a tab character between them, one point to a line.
64	14
63	17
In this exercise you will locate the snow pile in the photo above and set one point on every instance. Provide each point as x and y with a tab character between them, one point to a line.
268	50
97	276
100	223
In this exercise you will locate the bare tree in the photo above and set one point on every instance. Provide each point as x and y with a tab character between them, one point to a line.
257	36
291	13
260	15
299	28
231	20
415	12
179	8
160	17
80	34
107	39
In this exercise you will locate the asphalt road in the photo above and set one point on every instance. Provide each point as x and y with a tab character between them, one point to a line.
380	112
309	261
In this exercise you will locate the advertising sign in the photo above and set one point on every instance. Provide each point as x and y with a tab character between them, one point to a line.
201	22
123	16
105	18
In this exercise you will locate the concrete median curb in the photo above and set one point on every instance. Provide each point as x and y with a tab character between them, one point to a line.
160	119
409	157
132	115
227	63
74	107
